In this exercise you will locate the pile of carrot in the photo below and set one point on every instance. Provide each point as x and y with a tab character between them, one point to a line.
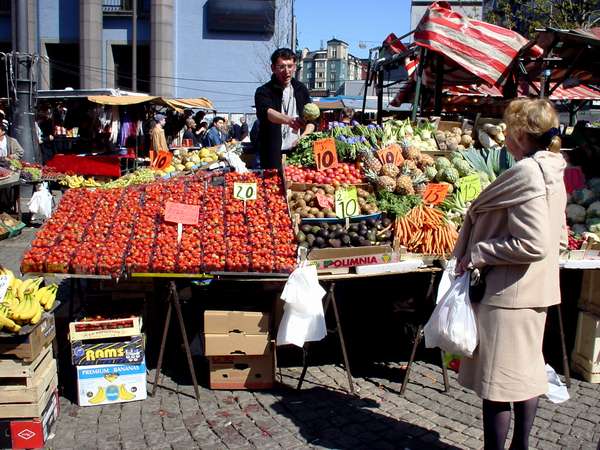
425	230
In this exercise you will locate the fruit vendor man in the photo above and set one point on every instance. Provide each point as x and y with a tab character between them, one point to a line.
279	105
9	147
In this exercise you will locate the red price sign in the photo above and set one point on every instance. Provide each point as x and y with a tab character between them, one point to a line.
435	193
388	155
160	160
324	201
325	153
182	213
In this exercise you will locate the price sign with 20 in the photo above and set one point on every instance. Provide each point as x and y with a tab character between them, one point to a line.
244	191
325	154
346	203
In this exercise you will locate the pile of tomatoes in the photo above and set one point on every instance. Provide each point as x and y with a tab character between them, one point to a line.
116	231
344	173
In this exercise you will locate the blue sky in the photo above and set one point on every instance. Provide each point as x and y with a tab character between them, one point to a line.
351	21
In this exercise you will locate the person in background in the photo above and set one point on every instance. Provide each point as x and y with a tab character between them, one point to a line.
243	129
236	131
279	105
347	115
215	134
9	147
512	235
189	133
158	141
201	132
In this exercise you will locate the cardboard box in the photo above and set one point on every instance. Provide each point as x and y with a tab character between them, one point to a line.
235	343
585	358
397	267
338	258
30	433
111	383
103	329
29	346
589	299
246	322
242	372
128	351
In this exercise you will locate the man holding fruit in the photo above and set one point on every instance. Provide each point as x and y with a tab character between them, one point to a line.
279	104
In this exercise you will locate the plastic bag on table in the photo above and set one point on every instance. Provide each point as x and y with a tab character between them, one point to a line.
40	204
303	318
557	390
452	325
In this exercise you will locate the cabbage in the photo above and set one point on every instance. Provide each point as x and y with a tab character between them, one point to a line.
593	210
583	196
310	112
593	224
575	213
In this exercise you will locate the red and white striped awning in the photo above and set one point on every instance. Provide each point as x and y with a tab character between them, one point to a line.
581	92
483	50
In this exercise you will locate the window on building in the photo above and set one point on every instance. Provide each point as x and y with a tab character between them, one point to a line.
123	66
320	74
320	64
333	75
319	85
64	65
334	53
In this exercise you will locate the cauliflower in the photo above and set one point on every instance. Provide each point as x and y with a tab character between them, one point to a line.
575	213
311	112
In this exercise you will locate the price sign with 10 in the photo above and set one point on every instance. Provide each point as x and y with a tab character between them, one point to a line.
346	203
325	154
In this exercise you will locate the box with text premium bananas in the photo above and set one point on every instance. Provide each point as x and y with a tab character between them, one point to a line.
110	351
111	383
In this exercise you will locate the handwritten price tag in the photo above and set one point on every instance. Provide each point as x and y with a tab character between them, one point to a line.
244	191
346	203
469	187
182	213
160	160
325	154
388	155
3	286
435	193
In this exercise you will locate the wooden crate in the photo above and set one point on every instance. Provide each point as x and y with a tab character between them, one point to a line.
103	329
585	358
26	388
29	346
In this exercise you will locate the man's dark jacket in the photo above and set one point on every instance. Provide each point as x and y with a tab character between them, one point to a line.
267	96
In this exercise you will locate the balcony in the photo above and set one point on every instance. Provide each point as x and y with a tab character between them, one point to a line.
123	7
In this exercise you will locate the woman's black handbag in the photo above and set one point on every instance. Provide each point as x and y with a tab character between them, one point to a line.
477	285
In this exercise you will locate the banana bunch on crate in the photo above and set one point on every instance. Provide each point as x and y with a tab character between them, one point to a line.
25	301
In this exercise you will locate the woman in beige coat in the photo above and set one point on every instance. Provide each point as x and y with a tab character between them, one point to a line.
512	234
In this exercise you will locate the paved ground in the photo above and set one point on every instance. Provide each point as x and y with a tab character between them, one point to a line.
322	415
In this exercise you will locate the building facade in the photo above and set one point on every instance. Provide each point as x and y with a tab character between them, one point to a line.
324	71
469	8
185	48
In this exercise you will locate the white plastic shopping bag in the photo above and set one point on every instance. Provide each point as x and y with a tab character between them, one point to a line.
40	204
452	325
557	390
303	319
448	277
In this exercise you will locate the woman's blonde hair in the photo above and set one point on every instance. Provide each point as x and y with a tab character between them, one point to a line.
537	120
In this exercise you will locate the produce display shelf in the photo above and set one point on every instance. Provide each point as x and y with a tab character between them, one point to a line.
309	220
27	329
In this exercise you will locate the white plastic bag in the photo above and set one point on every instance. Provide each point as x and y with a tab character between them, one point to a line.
452	325
40	204
557	390
447	279
303	319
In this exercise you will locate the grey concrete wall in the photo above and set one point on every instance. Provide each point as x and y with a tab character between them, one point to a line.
162	48
90	44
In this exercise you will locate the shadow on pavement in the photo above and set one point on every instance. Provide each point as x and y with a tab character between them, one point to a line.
332	419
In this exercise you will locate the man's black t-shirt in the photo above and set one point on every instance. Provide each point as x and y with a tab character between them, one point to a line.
267	96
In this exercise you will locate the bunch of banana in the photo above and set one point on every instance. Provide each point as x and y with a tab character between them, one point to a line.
6	321
46	296
77	181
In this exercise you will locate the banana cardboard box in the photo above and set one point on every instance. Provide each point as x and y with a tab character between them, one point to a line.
111	383
89	353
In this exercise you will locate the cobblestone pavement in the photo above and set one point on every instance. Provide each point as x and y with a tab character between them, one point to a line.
321	415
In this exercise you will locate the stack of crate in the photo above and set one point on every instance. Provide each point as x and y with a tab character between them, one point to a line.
108	355
585	358
28	385
239	350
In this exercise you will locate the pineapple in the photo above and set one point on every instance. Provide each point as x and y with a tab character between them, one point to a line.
430	172
419	181
390	170
409	165
371	175
370	162
404	185
411	153
385	183
420	188
426	160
